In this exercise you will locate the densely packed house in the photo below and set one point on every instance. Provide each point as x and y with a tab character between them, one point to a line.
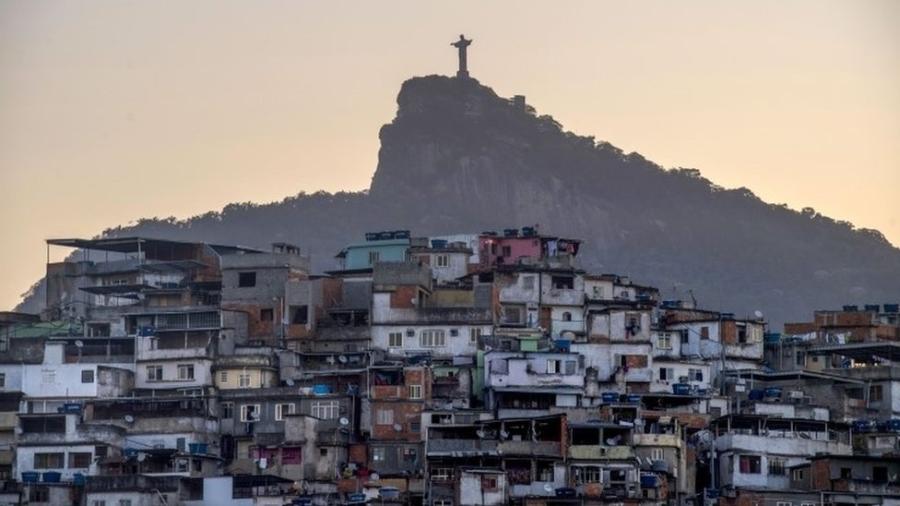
468	369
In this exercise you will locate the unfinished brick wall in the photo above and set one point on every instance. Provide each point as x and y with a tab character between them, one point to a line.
404	297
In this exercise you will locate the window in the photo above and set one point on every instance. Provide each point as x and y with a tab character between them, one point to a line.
776	466
798	474
432	338
506	251
185	371
474	334
124	502
323	452
87	376
633	323
441	473
695	375
395	340
656	454
664	342
250	413
246	279
80	460
750	464
290	455
800	358
2	380
49	460
266	314
410	454
553	366
326	410
876	393
442	260
283	409
41	493
566	316
588	475
244	380
374	256
880	474
570	367
227	410
685	337
384	417
154	373
528	282
101	451
378	454
300	315
666	374
704	332
846	473
562	282
489	483
415	392
223	377
415	426
742	334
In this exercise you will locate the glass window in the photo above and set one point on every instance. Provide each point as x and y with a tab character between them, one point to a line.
384	417
415	391
283	409
326	410
185	371
250	413
87	376
49	460
395	340
246	279
80	460
154	373
750	464
227	410
433	338
244	380
474	334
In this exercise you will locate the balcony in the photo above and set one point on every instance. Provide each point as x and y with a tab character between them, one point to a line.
8	420
671	440
131	483
595	452
530	448
461	447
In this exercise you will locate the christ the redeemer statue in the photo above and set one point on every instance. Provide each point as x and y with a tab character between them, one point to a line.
461	45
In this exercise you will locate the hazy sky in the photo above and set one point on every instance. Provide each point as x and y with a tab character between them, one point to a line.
112	111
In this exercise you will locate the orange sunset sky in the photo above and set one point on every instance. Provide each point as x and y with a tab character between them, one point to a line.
115	110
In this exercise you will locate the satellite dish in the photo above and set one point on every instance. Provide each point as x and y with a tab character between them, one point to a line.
548	487
344	421
19	431
398	427
758	314
374	477
79	343
481	433
141	457
504	434
128	418
342	359
289	382
263	463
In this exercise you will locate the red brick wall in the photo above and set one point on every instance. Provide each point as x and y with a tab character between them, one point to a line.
403	296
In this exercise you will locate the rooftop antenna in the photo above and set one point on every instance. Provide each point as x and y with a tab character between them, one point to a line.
693	299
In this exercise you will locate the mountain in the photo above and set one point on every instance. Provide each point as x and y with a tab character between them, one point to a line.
459	158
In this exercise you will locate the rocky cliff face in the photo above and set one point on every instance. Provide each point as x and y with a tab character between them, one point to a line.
458	158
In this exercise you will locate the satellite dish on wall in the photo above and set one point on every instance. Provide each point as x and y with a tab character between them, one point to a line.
398	427
289	382
141	457
374	477
548	487
344	421
342	359
128	418
79	343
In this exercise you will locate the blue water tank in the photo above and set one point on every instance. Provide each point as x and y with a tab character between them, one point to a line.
30	477
78	479
321	389
649	481
198	448
52	477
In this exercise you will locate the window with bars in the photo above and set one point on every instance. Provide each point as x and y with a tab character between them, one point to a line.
433	338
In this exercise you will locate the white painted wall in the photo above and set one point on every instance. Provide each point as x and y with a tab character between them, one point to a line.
202	374
459	345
